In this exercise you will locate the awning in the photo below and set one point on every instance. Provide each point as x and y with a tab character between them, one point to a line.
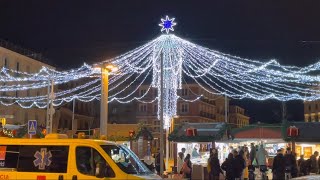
206	132
308	131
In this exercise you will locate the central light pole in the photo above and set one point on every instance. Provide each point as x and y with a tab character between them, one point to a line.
161	116
105	70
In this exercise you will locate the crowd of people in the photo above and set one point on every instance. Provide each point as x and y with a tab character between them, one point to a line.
239	161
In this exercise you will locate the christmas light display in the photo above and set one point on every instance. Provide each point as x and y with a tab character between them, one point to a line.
139	74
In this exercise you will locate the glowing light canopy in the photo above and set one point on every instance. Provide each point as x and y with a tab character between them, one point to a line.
217	73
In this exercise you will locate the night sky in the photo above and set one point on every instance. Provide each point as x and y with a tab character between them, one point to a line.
70	33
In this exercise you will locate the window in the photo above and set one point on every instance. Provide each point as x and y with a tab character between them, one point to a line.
184	92
114	110
309	107
5	62
88	161
28	69
9	156
126	160
143	108
155	108
184	108
18	66
143	92
26	118
317	106
49	159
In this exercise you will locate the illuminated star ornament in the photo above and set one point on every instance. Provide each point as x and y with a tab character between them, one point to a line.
167	24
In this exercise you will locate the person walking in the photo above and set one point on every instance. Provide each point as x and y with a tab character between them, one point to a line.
314	163
278	166
252	153
180	161
157	164
302	166
238	165
291	163
228	168
187	167
215	167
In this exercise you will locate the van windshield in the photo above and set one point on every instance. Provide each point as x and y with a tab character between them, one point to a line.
125	159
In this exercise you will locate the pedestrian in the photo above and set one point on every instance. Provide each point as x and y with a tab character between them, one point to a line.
291	163
187	167
314	163
244	154
180	161
158	163
238	165
215	167
227	167
302	166
252	153
278	166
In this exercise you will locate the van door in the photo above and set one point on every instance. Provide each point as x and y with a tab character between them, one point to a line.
89	163
43	162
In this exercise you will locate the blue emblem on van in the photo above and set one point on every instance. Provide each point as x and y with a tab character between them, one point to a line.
43	158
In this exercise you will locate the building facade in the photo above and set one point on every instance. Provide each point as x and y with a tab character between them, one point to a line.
312	111
237	117
22	61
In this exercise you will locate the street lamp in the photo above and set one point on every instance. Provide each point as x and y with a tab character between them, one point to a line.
105	70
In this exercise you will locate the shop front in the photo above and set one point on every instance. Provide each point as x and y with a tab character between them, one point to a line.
269	135
307	139
197	139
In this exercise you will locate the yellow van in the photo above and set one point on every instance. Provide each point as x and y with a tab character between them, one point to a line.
57	157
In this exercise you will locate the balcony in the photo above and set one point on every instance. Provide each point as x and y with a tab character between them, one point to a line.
207	115
208	101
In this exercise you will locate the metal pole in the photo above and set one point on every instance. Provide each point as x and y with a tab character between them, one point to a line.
51	105
48	110
72	123
167	148
161	116
104	102
226	109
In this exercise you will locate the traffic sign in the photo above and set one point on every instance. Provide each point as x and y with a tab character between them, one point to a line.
32	127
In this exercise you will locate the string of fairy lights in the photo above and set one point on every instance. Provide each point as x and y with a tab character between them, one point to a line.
140	71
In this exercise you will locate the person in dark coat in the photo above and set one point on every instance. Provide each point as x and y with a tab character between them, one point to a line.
291	163
253	152
238	165
215	167
157	163
278	167
189	164
227	167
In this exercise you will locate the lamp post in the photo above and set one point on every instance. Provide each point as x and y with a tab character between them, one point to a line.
105	70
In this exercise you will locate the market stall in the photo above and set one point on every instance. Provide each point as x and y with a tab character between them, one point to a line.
270	135
198	139
307	138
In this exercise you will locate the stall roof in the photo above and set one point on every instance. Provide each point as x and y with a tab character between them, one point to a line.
206	132
308	131
258	131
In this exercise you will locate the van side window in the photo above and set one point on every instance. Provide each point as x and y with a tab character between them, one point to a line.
87	160
50	159
9	156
